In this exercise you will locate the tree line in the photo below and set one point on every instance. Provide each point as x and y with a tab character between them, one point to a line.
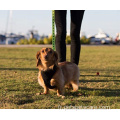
83	39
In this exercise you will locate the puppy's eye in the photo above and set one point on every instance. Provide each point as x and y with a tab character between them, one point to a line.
42	51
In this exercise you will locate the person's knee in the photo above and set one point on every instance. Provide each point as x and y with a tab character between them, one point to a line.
75	38
74	32
61	32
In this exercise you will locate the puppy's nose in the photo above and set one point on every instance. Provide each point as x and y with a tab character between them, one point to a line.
46	57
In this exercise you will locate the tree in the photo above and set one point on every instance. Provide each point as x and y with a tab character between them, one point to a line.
33	41
47	41
84	40
68	39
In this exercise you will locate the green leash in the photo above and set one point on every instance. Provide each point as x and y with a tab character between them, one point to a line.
53	30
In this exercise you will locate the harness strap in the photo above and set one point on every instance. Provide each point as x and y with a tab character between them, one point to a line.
47	76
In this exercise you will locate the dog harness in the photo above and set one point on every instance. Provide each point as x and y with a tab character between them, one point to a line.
47	76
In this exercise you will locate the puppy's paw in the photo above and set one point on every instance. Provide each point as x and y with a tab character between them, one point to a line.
38	94
61	96
75	90
41	93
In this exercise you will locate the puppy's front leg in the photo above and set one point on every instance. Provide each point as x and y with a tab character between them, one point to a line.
46	90
60	91
60	83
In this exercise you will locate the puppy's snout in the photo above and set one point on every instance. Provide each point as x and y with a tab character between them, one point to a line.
46	57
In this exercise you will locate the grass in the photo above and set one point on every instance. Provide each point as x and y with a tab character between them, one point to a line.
19	85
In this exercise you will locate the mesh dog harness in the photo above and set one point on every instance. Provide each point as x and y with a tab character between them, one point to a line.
47	76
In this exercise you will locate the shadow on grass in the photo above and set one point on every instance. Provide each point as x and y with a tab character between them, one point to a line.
83	91
100	92
98	76
24	101
22	69
98	70
20	99
18	58
85	81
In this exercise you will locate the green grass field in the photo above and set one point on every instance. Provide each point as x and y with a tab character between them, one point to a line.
19	85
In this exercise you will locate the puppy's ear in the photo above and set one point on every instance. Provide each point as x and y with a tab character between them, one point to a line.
38	58
55	57
38	54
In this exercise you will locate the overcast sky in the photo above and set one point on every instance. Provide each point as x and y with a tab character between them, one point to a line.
23	20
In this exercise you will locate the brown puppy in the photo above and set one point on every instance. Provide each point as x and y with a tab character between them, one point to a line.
54	75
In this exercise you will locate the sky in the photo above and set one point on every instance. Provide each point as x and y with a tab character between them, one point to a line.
21	21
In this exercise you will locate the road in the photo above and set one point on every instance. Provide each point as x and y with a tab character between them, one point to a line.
12	46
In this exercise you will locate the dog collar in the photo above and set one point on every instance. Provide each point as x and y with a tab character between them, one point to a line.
47	76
